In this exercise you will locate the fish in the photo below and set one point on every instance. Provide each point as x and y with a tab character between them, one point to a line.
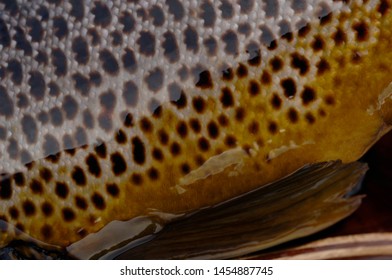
116	110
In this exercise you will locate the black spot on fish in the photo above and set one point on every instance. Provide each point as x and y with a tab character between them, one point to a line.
112	189
226	9
43	12
59	61
93	165
101	150
80	49
205	80
36	187
154	79
6	104
15	68
129	61
128	22
13	148
108	101
60	27
77	10
211	45
68	214
289	87
88	119
207	14
109	62
47	209
226	97
105	122
119	165
130	93
29	128
138	151
191	39
28	208
271	8
56	116
37	85
157	15
98	201
176	9
102	15
170	47
36	31
146	43
81	203
81	83
21	42
5	188
50	146
231	42
246	5
70	107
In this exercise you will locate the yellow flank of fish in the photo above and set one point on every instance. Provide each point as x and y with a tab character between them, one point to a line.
119	109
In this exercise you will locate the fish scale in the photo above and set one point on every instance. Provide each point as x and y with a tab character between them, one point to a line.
124	108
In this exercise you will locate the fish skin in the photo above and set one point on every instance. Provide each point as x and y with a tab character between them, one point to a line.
338	79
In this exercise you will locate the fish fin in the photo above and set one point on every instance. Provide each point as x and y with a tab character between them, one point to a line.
303	203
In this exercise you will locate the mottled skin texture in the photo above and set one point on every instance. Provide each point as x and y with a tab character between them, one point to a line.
284	87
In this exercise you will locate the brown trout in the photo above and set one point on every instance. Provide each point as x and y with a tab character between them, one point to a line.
113	110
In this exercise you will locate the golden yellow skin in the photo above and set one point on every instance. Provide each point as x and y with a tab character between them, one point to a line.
342	128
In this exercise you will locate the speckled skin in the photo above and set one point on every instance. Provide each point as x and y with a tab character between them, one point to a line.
115	109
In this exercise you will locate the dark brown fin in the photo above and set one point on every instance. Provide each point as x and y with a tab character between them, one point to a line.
303	203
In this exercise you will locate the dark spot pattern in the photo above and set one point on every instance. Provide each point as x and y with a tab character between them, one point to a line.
138	151
109	62
128	22
136	179
102	15
211	45
21	42
56	116
119	165
46	174
68	214
37	85
60	27
47	209
77	10
61	190
6	103
146	42
300	62
157	15
5	38
29	128
308	95
195	125
191	39
112	189
271	8
93	165
130	93
231	42
154	79
170	46
176	9
226	97
80	49
289	87
59	61
5	188
70	107
205	80
81	83
98	201
28	208
227	9
207	13
129	61
16	70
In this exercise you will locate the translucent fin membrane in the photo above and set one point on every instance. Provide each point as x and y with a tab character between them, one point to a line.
309	200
